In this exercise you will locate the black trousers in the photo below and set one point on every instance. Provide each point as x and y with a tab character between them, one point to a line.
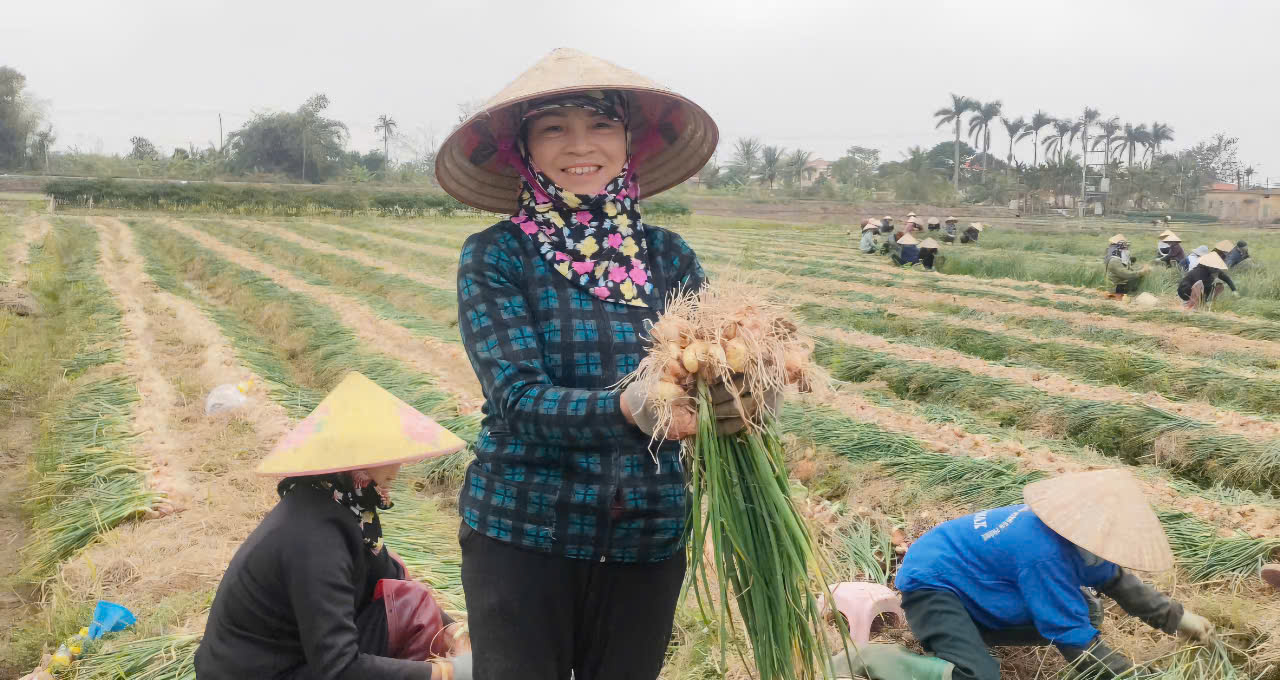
538	616
943	626
371	629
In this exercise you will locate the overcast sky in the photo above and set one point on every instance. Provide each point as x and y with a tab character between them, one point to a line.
816	75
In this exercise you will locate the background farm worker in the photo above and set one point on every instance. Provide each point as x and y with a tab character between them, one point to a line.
572	523
913	225
911	215
907	251
886	224
1193	258
1173	255
1237	255
313	591
869	242
934	224
1014	576
1119	265
949	230
971	233
1222	249
1204	281
1162	246
929	256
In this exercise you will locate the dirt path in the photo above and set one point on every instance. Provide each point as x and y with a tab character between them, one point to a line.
1055	384
34	229
1256	520
393	241
1187	339
445	361
363	258
176	355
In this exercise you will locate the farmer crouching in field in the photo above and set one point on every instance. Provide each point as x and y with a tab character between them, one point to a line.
1119	266
313	592
1018	576
934	224
869	243
949	230
1172	254
906	251
971	232
1237	256
573	523
929	256
1204	282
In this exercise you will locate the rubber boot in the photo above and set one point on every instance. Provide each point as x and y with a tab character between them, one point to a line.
888	662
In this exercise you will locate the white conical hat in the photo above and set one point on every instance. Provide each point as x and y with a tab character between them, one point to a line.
929	243
1211	260
1224	245
1118	238
1172	238
907	240
671	136
1106	513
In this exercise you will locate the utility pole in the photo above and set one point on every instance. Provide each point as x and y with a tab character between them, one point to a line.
220	143
304	155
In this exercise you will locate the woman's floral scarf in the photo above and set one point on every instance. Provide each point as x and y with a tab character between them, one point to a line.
354	491
597	242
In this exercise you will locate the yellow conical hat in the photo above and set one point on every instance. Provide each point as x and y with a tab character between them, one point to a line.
1224	245
1165	233
359	425
1172	238
929	243
1118	238
1212	260
907	240
976	225
1106	513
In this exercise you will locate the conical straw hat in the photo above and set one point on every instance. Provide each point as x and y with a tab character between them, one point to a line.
1172	238
359	425
929	243
1224	245
1106	513
907	240
976	225
888	217
1165	233
950	218
671	137
1212	260
912	220
871	225
911	214
932	220
1118	238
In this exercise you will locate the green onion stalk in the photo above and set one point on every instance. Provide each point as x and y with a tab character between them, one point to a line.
761	551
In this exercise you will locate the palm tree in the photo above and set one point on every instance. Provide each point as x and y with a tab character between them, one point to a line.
386	125
45	139
771	160
953	114
1017	132
1130	139
746	159
980	127
1160	133
1109	128
1039	119
797	165
1248	176
1058	140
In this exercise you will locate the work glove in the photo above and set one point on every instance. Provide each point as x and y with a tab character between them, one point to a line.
644	411
888	662
1195	627
729	419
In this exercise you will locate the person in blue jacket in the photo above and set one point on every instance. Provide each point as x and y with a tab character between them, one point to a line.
1021	575
906	251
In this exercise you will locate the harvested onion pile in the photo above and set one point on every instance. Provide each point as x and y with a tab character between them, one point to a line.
758	552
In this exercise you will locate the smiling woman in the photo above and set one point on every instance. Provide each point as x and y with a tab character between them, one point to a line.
573	524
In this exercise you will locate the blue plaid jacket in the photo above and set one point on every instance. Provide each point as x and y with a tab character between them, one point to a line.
558	469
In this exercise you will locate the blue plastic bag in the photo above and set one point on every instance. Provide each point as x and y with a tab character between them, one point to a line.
109	617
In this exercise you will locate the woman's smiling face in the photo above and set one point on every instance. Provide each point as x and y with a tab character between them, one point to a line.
580	150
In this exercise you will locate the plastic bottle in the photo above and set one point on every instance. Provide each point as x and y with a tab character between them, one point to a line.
227	397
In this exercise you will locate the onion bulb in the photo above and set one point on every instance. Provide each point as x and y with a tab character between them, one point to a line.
735	352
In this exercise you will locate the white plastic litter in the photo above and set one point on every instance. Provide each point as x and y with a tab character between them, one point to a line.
228	397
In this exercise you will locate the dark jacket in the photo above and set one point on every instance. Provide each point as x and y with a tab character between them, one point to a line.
1236	256
287	604
908	254
1174	255
558	469
1206	275
926	257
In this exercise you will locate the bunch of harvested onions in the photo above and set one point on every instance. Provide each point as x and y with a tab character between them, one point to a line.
746	539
